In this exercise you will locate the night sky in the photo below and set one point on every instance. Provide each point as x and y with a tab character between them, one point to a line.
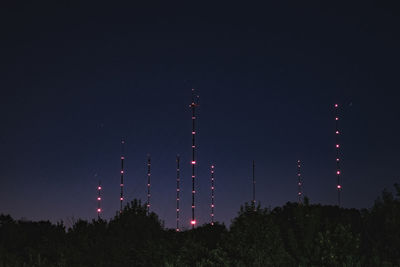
76	78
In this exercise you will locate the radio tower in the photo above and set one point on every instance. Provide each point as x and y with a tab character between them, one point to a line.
178	189
121	197
253	202
212	194
338	172
99	200
148	182
193	106
299	183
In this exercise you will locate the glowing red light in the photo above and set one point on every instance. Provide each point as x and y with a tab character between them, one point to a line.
212	166
212	187
122	171
337	146
212	205
193	222
99	188
98	210
339	186
337	159
338	172
336	105
121	198
337	132
193	162
336	118
193	132
122	157
99	198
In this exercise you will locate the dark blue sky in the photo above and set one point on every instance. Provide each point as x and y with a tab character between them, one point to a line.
74	79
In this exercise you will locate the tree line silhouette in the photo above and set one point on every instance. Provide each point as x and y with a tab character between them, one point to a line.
293	235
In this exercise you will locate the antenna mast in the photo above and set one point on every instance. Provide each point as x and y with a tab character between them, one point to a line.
338	171
254	187
178	189
121	197
99	200
299	183
148	182
212	194
193	106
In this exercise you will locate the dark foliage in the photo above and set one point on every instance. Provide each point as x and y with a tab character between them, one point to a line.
292	235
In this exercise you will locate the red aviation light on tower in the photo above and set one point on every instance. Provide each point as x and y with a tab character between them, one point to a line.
193	222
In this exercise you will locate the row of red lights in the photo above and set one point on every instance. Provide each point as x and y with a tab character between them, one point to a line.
338	171
193	106
99	200
177	191
299	183
212	194
121	198
148	183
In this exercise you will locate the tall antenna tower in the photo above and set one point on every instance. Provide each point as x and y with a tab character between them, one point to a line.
148	182
121	197
178	189
212	194
99	200
299	183
338	171
253	202
193	106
